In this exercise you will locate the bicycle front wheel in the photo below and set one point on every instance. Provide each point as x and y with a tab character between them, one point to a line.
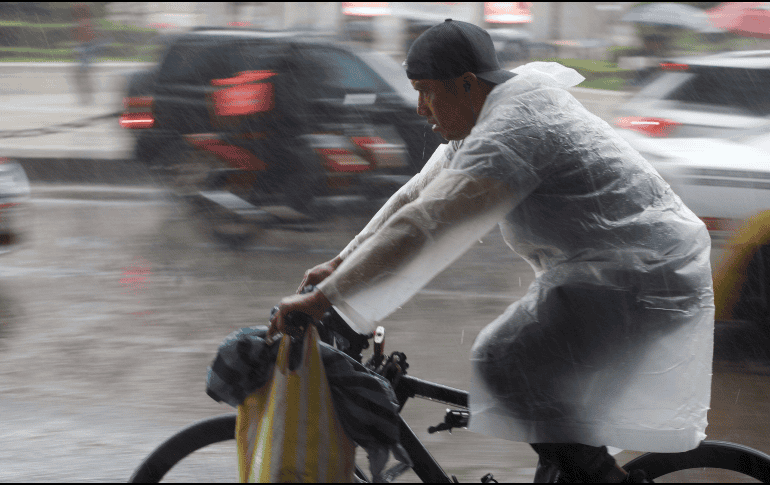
710	455
192	438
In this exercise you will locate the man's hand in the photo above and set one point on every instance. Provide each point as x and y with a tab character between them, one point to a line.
319	273
314	304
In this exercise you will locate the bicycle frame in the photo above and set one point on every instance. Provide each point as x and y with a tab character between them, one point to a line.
424	465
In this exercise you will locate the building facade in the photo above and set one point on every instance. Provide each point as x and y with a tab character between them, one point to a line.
391	26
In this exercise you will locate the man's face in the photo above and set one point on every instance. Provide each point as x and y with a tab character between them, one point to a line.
450	113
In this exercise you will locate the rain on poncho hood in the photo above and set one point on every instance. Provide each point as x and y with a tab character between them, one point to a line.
612	344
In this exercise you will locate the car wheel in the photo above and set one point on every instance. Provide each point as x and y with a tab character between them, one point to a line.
184	171
226	229
188	172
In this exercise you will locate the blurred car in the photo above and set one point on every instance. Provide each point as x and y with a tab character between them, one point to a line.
714	96
723	181
707	115
331	115
14	199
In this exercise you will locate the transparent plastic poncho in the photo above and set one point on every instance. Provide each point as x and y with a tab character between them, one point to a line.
612	344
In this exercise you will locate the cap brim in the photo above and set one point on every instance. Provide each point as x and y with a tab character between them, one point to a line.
496	77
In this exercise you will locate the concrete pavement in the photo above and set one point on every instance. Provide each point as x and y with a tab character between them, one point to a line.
42	190
42	95
39	96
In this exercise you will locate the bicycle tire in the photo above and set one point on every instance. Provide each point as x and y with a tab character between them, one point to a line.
709	454
190	439
198	435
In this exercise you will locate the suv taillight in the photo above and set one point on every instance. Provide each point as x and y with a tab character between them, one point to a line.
137	113
658	127
674	66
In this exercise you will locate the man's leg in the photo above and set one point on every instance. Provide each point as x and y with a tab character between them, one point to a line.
577	463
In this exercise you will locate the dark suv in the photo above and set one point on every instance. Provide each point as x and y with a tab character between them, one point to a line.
336	115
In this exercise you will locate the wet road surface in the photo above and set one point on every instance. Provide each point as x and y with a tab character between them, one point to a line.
113	310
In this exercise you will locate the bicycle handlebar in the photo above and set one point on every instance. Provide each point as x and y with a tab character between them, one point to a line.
331	328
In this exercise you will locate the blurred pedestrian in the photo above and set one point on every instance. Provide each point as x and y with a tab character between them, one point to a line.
85	45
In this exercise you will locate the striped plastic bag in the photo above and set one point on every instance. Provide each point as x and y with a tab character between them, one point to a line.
288	431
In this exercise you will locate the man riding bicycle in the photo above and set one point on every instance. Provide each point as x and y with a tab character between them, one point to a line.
612	344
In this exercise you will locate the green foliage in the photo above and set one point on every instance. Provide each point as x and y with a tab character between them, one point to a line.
107	25
609	83
21	23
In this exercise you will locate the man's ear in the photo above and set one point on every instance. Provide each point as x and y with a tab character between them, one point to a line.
468	80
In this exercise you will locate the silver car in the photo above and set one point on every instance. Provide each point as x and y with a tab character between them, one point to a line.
14	201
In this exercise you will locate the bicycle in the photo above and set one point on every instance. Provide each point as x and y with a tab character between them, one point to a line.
333	330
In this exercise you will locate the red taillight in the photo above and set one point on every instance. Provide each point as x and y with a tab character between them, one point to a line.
138	113
341	160
137	120
647	126
673	66
368	142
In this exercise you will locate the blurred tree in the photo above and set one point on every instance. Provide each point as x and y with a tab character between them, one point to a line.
47	12
700	5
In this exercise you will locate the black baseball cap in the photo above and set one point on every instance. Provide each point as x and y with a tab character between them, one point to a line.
452	48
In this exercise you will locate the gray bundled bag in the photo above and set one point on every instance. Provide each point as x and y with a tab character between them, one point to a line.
365	402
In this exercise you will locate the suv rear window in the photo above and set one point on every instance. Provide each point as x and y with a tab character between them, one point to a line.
254	55
744	89
337	72
196	63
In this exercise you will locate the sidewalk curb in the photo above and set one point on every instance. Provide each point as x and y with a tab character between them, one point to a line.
121	172
96	192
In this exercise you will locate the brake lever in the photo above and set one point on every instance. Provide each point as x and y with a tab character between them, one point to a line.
454	418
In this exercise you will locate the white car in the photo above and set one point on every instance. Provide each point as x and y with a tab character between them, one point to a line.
724	182
714	96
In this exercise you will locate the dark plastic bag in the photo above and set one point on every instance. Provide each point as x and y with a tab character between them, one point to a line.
364	401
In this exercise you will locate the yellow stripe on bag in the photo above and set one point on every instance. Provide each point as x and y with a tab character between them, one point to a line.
265	460
316	450
305	440
295	432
